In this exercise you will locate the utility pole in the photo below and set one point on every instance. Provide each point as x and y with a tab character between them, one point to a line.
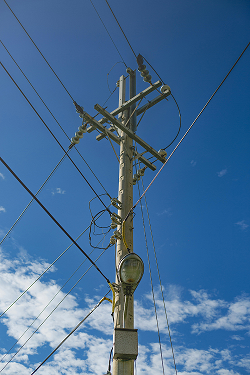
125	319
129	266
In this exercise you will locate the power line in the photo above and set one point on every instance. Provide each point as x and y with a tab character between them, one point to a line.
108	33
158	271
52	217
28	205
187	131
38	49
54	116
151	281
121	28
54	137
45	270
50	312
78	325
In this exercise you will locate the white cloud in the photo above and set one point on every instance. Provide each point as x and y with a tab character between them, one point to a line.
2	209
2	176
58	191
222	172
193	163
165	212
242	224
78	355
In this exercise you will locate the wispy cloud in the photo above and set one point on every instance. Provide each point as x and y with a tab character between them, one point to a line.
2	209
242	224
58	191
165	212
2	176
193	163
222	172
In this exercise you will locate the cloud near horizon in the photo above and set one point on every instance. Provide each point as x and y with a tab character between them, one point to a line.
78	354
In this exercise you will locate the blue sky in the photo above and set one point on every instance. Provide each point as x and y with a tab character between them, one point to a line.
198	205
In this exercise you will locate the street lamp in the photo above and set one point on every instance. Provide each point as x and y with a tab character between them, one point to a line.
130	272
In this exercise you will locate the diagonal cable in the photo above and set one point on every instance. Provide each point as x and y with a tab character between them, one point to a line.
47	305
152	288
54	136
52	217
51	312
38	49
158	271
45	270
54	116
108	33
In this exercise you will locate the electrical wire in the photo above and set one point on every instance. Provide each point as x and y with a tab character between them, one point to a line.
151	281
53	135
49	304
28	205
55	309
38	49
121	28
45	270
108	33
118	62
211	97
158	271
78	325
52	217
54	116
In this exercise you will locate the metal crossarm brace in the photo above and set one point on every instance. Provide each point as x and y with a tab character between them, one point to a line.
137	97
152	102
105	131
145	161
129	132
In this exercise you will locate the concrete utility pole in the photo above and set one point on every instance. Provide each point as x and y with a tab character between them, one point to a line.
129	266
125	319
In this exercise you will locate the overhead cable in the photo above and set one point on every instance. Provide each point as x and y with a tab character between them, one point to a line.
50	312
158	271
78	325
108	33
54	136
54	116
131	210
121	28
45	270
151	281
38	49
52	217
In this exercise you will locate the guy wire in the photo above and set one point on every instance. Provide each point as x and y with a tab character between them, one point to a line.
38	50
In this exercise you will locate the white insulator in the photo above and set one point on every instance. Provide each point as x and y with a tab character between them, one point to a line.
83	128
136	177
79	135
116	219
75	140
165	88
